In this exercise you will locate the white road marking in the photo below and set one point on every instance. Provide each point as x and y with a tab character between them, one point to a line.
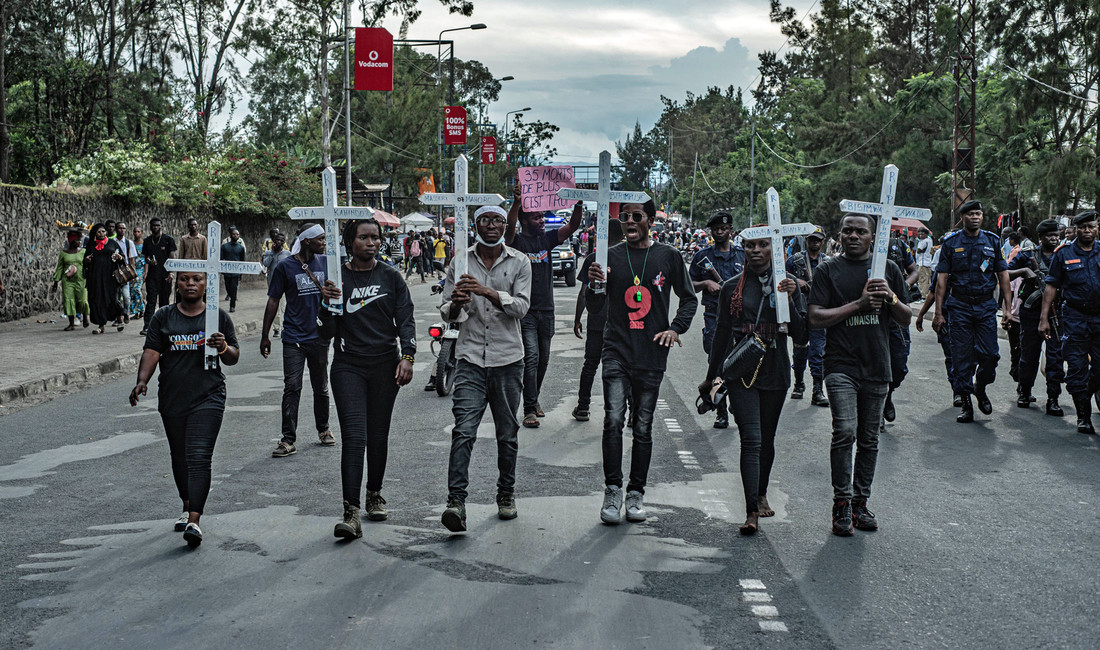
754	591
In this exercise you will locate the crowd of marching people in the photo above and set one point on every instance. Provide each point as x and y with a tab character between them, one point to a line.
849	328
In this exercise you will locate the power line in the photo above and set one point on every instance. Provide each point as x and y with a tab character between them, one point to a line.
1041	83
788	39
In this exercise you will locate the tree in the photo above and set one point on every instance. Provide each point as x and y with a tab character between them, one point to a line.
638	157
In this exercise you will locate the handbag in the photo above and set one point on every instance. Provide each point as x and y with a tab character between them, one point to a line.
124	273
746	357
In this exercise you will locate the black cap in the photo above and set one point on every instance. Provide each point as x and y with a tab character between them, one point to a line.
818	232
969	206
1046	226
720	219
1084	217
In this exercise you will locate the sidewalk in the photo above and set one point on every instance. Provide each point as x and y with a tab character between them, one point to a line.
40	357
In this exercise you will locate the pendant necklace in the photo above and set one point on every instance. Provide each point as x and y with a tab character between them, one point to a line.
637	280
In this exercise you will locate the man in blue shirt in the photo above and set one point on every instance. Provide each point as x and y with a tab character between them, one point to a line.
300	278
971	266
1075	270
710	267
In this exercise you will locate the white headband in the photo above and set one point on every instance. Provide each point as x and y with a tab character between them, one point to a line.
495	209
309	233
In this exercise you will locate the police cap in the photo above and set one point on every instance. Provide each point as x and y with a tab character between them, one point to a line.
1046	226
970	206
1084	217
720	219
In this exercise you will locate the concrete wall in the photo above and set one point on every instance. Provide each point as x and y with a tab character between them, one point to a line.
30	241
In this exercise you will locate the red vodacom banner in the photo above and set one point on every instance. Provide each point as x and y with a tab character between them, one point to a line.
373	59
454	125
488	150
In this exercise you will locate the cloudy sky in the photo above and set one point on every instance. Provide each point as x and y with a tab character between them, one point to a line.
595	67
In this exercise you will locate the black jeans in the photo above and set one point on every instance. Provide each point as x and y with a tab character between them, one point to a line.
756	413
364	397
231	285
500	389
593	350
296	356
157	291
857	413
191	439
621	383
538	329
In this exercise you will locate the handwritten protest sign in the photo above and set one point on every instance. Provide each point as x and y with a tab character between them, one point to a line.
539	187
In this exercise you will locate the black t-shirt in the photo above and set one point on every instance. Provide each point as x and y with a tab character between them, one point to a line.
377	318
858	346
184	383
160	250
775	368
637	313
538	250
597	318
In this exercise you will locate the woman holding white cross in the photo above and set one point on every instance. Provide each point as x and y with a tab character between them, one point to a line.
190	398
757	390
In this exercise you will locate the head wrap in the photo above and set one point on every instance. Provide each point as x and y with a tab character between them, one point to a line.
1046	226
495	209
309	233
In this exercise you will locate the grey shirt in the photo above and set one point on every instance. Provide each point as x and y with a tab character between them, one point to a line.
490	337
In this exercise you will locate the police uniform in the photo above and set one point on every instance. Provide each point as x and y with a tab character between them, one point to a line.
902	255
1031	341
972	265
704	264
1076	272
802	266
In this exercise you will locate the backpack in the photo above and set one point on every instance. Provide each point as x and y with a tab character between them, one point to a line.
414	249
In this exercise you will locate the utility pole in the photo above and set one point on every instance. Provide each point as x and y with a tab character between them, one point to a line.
326	126
691	210
752	173
347	99
966	94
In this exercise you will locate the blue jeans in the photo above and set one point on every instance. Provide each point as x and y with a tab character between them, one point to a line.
620	384
538	329
500	389
857	413
296	356
814	352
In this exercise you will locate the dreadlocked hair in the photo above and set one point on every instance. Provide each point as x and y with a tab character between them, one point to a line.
738	298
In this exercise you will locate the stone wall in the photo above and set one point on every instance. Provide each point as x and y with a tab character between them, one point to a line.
30	241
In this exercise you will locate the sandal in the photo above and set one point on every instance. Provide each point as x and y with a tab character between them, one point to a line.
751	524
327	438
764	507
69	328
97	331
531	420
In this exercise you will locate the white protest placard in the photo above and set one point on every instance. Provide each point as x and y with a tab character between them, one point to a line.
539	187
604	197
776	230
886	212
329	215
212	266
461	200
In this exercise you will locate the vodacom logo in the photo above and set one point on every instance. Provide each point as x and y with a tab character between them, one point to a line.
373	55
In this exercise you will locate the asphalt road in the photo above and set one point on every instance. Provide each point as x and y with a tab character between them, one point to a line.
988	532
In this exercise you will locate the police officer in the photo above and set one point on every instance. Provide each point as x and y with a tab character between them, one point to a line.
801	267
1075	270
971	266
1032	265
901	254
710	267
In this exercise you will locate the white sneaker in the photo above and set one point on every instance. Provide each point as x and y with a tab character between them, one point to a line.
181	523
610	513
635	511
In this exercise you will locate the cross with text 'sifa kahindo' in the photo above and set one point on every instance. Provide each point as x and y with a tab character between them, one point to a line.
886	212
212	266
461	200
776	231
604	197
330	214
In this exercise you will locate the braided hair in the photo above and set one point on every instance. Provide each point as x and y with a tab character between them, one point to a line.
352	227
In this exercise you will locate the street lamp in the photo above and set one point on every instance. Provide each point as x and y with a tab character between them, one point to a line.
506	118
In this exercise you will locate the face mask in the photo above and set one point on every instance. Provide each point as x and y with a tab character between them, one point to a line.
481	241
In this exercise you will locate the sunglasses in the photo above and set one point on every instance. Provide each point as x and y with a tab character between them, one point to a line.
493	221
627	216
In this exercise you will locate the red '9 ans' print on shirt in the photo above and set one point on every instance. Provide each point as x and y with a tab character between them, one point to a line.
638	308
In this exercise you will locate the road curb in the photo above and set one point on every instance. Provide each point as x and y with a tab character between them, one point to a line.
16	393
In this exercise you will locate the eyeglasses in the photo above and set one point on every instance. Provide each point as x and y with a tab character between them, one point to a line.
490	221
627	216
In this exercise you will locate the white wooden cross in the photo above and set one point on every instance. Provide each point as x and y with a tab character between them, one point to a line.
461	200
330	214
886	212
776	230
604	197
212	266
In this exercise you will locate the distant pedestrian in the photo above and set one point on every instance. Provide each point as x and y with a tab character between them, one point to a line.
129	251
489	301
857	313
137	301
276	253
233	251
923	252
100	259
190	398
157	250
299	279
375	347
415	256
193	244
69	275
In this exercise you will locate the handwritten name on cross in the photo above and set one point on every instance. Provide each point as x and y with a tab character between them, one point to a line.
604	197
886	211
461	200
776	230
212	266
330	214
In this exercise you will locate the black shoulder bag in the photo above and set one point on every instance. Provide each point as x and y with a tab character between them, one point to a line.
747	356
